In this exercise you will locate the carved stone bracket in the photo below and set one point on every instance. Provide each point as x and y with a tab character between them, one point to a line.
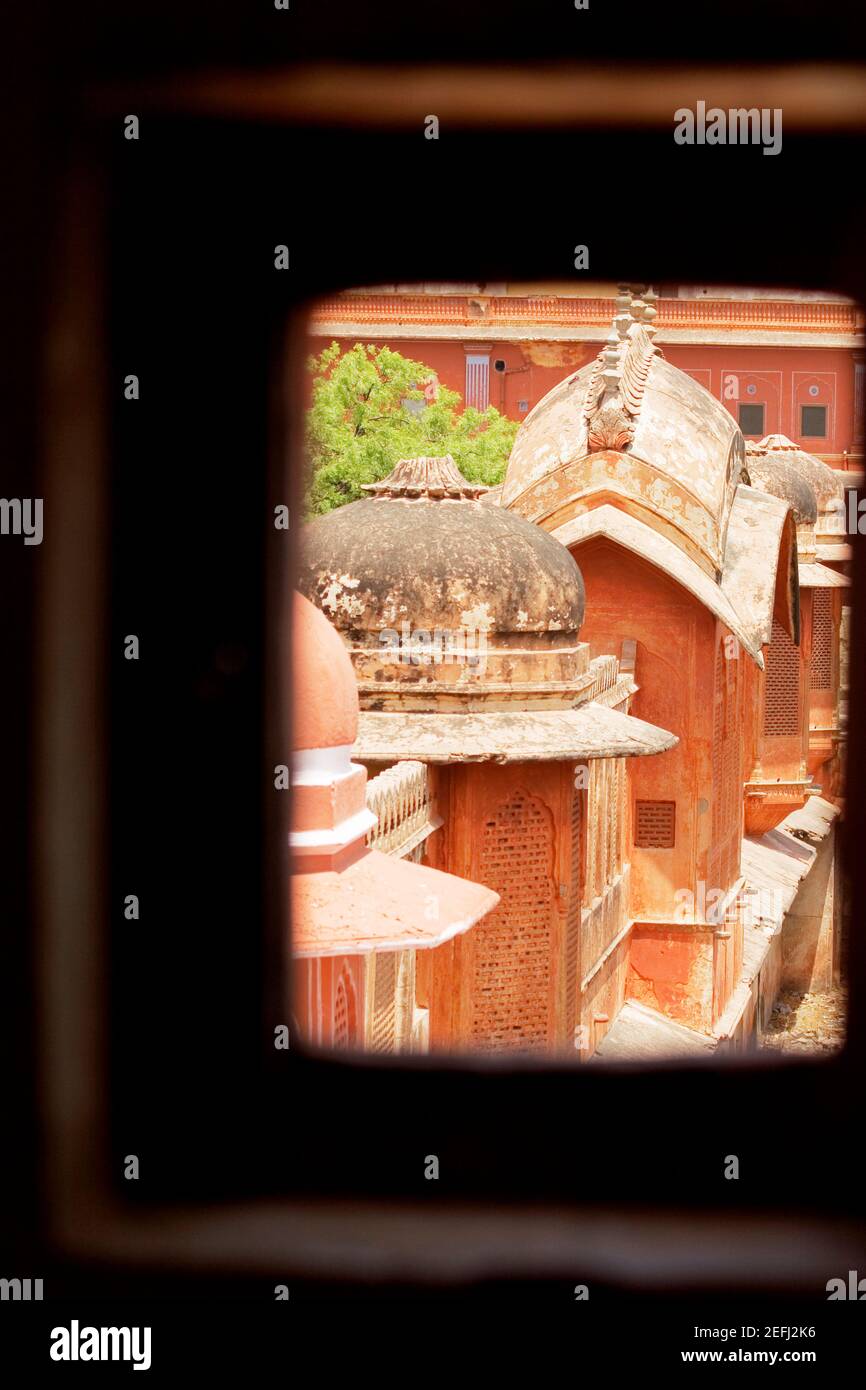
609	429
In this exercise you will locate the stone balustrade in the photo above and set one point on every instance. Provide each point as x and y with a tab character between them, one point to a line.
400	797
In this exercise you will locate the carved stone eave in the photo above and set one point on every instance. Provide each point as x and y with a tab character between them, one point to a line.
832	552
592	731
760	570
818	576
376	903
776	861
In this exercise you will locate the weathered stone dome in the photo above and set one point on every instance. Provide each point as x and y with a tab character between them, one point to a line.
433	554
827	487
423	553
768	473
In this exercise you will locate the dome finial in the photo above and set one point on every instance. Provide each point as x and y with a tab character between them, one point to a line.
431	478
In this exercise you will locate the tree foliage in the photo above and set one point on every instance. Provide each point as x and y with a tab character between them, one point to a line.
364	417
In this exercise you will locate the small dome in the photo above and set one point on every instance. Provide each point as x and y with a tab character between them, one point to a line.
439	594
827	487
325	695
769	474
425	549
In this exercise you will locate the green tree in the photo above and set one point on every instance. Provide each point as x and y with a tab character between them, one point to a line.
369	410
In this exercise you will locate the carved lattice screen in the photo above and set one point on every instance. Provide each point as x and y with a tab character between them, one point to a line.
727	774
511	985
617	796
342	1012
383	1036
572	925
654	824
732	785
820	675
782	699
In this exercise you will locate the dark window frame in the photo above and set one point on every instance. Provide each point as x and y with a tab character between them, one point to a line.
752	405
94	1215
812	434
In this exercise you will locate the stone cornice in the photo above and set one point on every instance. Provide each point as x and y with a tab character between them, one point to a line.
773	323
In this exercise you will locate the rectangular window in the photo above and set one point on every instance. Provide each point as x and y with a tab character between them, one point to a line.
478	380
579	852
751	418
813	421
655	824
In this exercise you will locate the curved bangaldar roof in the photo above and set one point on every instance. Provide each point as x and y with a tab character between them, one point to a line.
635	449
632	429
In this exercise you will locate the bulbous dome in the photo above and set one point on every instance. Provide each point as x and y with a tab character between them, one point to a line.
424	549
768	473
425	555
827	487
325	695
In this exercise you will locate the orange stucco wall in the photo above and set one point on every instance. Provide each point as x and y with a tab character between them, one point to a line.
675	670
680	961
781	377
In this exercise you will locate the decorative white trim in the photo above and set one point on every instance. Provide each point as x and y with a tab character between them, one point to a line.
333	837
318	767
